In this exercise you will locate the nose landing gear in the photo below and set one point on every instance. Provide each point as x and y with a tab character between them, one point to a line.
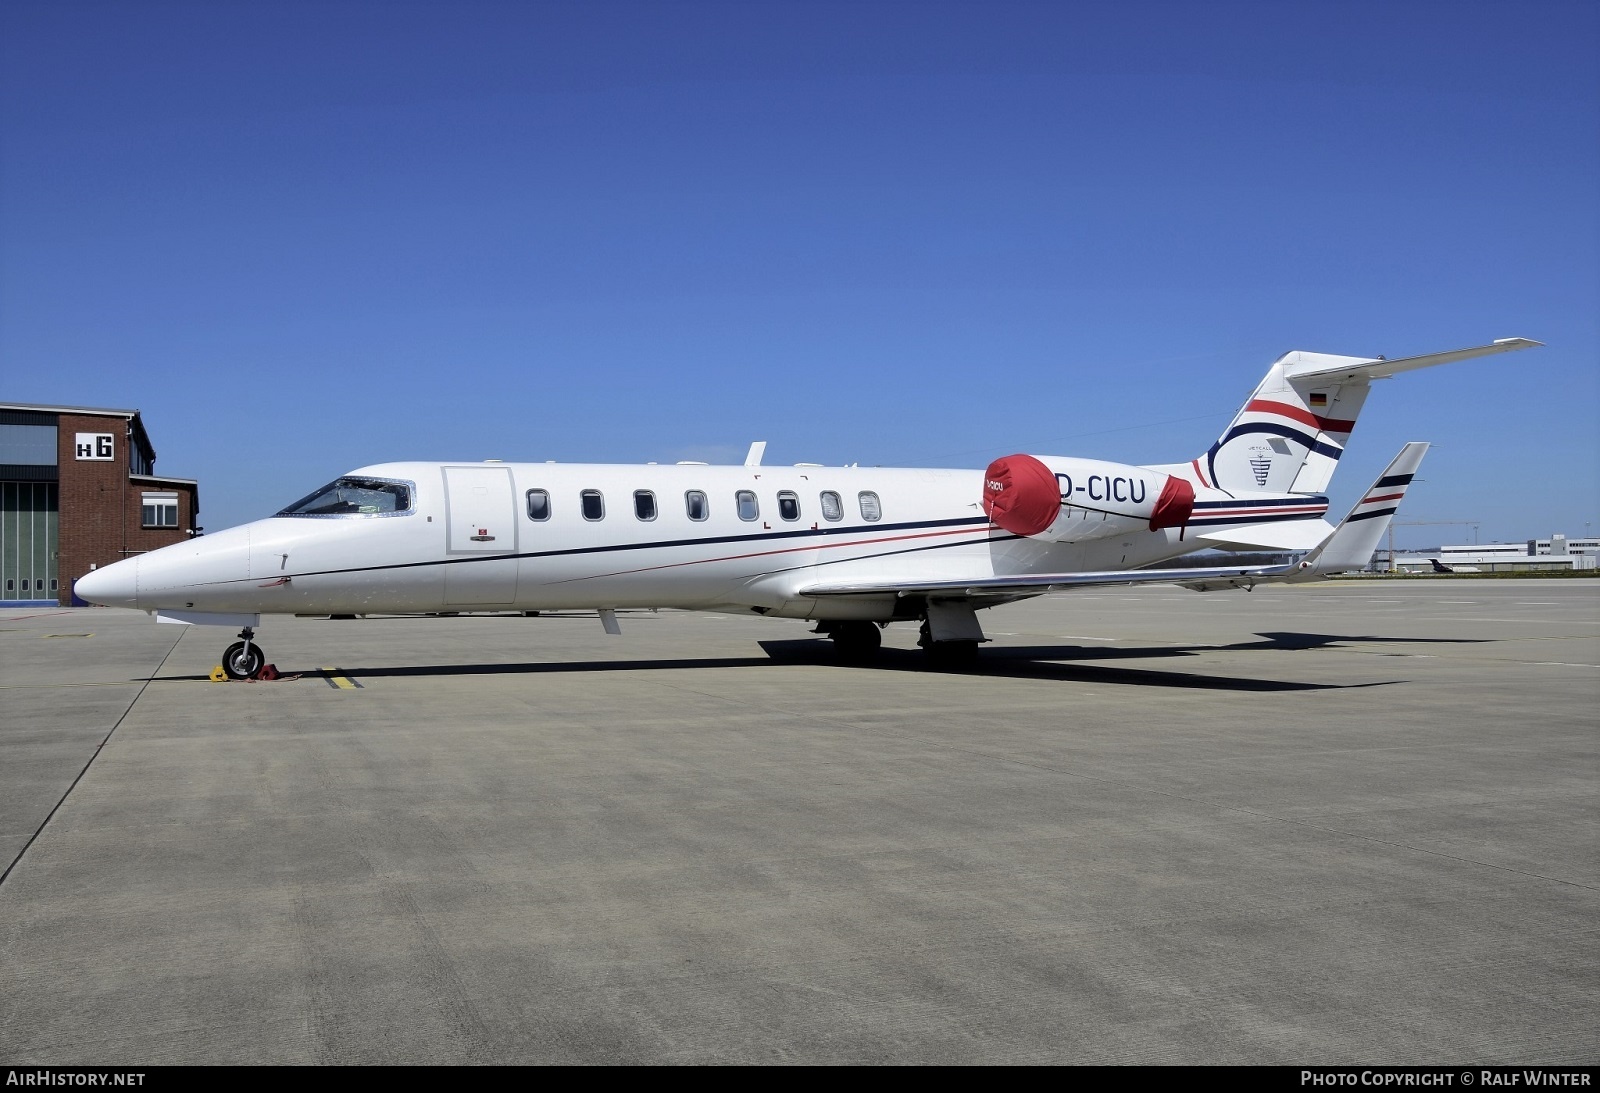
243	659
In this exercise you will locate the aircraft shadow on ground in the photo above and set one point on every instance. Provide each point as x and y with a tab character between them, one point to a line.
1065	663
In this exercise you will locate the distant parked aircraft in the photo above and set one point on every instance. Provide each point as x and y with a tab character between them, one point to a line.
850	548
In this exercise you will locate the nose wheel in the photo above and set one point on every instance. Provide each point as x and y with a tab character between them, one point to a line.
243	659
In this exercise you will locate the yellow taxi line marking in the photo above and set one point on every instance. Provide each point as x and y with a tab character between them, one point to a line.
337	681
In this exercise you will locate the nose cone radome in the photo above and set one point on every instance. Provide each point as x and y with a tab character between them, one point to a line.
117	585
203	573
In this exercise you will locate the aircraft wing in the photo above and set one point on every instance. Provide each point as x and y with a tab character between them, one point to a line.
1034	584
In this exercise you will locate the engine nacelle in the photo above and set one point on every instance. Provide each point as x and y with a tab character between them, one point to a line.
1066	500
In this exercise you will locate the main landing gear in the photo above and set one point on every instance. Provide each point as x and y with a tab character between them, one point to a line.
853	642
858	642
243	659
946	654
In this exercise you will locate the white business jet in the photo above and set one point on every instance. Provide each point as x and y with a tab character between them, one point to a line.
849	548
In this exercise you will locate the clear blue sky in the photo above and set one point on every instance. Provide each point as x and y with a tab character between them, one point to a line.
302	237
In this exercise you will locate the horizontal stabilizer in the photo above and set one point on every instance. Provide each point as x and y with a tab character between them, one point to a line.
1287	535
1289	435
1319	367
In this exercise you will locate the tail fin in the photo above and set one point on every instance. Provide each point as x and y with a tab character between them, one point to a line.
1289	435
1354	541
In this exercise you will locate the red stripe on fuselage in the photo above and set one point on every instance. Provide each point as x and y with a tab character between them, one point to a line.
1304	417
1200	475
1292	510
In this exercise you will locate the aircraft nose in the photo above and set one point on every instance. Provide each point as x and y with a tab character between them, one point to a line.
117	585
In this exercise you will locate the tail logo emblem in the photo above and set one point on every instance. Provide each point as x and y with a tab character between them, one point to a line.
1261	467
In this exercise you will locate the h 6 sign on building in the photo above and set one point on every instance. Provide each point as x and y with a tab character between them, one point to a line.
96	446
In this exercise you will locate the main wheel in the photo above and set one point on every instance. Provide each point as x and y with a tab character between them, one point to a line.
952	654
856	642
243	659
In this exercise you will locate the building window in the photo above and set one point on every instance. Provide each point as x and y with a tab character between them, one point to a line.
695	504
788	506
748	509
870	509
644	504
28	445
594	506
538	504
160	510
832	507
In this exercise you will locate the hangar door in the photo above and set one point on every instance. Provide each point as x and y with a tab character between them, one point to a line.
29	540
481	566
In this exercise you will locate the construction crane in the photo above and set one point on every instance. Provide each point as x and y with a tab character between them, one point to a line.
1473	524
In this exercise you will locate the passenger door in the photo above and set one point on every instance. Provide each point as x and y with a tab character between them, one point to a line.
480	565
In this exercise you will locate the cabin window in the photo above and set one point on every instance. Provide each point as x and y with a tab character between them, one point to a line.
593	505
870	509
55	585
748	509
159	510
11	584
695	504
538	504
355	497
788	506
832	507
644	504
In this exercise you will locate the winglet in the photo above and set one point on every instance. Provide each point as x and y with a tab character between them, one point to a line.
1353	542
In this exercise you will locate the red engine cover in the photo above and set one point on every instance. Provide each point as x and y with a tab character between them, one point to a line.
1174	506
1020	494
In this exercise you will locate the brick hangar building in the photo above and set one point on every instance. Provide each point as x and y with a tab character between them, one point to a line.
78	490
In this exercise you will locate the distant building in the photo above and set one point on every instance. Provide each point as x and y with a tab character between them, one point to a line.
78	490
1556	552
1559	545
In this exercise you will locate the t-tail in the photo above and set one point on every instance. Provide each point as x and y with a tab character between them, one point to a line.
1290	433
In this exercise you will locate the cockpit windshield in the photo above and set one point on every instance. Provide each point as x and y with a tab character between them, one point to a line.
354	497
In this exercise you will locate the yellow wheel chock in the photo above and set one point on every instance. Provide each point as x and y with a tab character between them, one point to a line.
218	675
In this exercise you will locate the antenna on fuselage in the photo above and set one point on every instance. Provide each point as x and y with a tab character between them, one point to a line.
758	448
